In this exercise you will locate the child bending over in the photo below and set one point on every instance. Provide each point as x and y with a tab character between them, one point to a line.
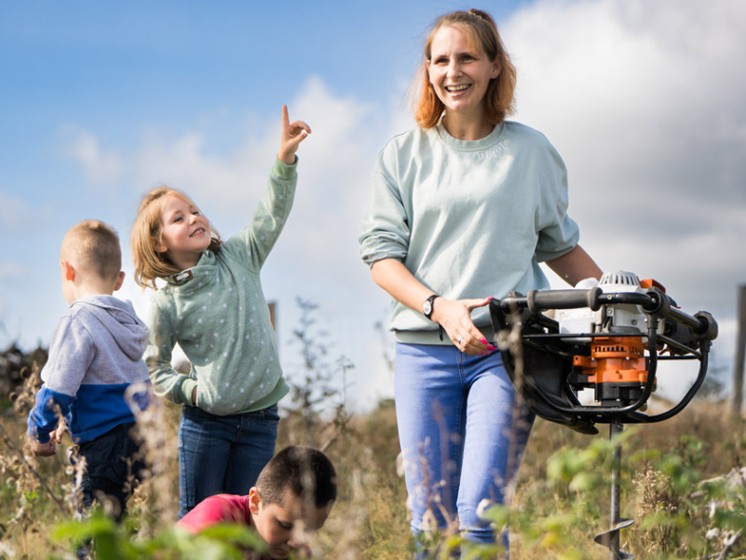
294	494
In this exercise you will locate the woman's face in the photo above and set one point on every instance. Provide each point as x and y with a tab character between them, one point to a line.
460	71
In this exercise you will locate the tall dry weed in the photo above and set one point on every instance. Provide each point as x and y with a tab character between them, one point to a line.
155	500
30	486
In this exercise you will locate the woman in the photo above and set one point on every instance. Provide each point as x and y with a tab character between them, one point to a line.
463	209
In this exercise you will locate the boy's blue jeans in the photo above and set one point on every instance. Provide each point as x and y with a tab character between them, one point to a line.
461	436
114	467
222	454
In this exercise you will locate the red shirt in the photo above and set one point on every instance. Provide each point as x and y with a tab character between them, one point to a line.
221	508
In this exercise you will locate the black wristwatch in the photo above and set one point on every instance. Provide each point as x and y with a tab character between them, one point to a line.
427	306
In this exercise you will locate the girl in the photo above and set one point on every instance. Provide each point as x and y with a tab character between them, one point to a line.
463	208
213	306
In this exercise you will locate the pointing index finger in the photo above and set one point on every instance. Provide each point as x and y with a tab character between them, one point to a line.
285	117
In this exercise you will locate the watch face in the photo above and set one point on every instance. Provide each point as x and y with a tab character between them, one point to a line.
427	308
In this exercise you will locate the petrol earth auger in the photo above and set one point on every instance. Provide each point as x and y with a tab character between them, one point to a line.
606	341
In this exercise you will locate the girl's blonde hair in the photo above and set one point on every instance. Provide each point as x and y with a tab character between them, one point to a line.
146	235
499	96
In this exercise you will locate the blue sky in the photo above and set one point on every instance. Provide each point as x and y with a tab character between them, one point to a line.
101	101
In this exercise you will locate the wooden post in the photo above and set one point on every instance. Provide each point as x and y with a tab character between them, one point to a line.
273	314
740	351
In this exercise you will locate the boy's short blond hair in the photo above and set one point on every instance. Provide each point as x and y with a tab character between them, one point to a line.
92	247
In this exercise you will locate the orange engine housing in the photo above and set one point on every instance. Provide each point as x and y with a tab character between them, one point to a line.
614	359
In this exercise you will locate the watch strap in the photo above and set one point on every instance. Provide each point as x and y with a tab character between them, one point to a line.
427	306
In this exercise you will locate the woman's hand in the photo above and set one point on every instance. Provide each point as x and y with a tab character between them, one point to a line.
455	318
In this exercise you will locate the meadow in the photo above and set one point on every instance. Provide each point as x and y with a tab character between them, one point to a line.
684	484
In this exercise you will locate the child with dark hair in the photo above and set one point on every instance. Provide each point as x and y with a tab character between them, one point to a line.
293	495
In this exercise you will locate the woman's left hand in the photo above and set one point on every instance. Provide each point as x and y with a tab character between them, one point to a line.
455	318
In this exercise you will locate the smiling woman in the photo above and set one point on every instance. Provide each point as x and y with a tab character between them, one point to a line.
463	209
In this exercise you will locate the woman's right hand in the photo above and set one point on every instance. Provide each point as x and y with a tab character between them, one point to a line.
455	318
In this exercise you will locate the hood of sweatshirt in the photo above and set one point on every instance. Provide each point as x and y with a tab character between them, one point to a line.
119	318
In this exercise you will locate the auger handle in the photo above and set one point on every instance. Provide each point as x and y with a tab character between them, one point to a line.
653	302
538	300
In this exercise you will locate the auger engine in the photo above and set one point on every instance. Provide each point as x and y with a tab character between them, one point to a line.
607	339
616	367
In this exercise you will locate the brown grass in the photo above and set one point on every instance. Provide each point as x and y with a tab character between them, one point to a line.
370	520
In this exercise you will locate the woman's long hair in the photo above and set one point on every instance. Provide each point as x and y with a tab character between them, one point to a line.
499	96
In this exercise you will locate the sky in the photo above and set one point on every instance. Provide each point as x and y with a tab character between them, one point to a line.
101	101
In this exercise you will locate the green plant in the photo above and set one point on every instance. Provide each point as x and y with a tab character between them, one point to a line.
107	540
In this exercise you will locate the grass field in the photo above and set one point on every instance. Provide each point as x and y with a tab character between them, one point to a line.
675	486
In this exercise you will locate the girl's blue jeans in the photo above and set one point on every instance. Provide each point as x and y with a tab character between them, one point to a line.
462	435
222	454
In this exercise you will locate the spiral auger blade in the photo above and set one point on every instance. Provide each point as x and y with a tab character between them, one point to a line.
611	540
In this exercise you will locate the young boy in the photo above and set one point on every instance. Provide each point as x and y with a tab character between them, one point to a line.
294	494
94	358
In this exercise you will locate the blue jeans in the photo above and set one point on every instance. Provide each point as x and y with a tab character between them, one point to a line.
461	432
114	467
222	454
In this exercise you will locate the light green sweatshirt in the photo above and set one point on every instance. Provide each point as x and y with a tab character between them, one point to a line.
469	219
219	317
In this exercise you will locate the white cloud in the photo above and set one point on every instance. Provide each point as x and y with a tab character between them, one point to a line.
638	93
644	101
99	166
